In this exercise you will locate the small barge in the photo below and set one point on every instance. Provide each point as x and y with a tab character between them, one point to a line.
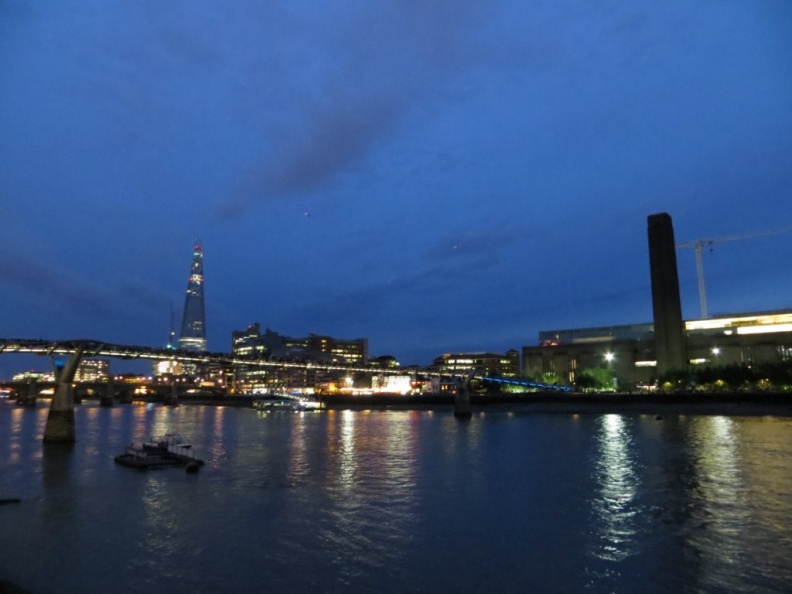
160	452
286	402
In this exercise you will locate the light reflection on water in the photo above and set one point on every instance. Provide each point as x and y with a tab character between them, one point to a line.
614	505
399	501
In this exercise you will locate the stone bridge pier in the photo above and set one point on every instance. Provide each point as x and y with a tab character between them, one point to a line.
462	409
60	421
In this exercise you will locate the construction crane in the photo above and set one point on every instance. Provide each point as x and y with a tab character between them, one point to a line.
698	245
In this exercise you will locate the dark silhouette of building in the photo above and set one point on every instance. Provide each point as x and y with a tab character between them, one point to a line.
193	330
669	328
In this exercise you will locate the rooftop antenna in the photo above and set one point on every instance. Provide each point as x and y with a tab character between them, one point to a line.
172	335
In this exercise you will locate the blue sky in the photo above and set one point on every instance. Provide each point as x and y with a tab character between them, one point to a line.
434	176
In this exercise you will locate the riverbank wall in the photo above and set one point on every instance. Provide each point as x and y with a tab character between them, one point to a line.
694	403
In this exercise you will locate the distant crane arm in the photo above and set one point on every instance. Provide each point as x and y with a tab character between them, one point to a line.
698	245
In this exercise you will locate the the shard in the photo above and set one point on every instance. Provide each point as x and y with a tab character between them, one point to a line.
193	330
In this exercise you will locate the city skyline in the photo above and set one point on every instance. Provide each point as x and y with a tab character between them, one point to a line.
435	179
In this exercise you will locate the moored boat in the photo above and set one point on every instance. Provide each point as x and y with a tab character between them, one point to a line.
160	452
286	402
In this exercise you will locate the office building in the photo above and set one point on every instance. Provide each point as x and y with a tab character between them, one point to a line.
501	365
251	343
92	370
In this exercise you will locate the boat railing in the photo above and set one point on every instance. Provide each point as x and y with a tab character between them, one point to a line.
171	443
180	449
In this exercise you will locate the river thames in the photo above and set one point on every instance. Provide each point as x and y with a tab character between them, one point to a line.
399	501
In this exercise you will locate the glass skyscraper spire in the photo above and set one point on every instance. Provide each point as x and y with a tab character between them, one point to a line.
193	330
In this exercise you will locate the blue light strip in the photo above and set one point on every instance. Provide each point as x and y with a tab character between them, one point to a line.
526	383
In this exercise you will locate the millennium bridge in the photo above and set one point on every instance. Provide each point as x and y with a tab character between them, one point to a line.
60	421
93	348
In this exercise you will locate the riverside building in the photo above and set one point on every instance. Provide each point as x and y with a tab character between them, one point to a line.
92	370
251	343
502	365
641	354
630	350
457	364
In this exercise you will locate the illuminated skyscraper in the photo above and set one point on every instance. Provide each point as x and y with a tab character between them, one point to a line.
193	331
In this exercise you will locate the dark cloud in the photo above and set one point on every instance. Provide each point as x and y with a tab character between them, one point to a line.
472	169
50	283
339	136
140	295
481	245
72	293
451	279
374	66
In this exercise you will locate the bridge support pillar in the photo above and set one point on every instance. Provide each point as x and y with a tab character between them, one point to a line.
60	421
29	399
462	408
107	398
173	398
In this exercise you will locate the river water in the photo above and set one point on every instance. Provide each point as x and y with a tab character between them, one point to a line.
399	502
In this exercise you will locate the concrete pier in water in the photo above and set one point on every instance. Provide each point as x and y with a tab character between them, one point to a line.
60	421
462	408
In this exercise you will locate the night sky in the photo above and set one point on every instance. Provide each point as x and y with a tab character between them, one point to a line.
435	176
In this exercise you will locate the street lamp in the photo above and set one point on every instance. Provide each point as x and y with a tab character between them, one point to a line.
609	357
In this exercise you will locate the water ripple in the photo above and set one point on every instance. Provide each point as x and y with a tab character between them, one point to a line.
398	502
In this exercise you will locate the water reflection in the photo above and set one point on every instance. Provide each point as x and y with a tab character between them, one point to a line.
722	511
370	483
715	448
615	506
466	439
56	465
161	422
23	421
402	445
347	458
392	502
299	467
220	434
